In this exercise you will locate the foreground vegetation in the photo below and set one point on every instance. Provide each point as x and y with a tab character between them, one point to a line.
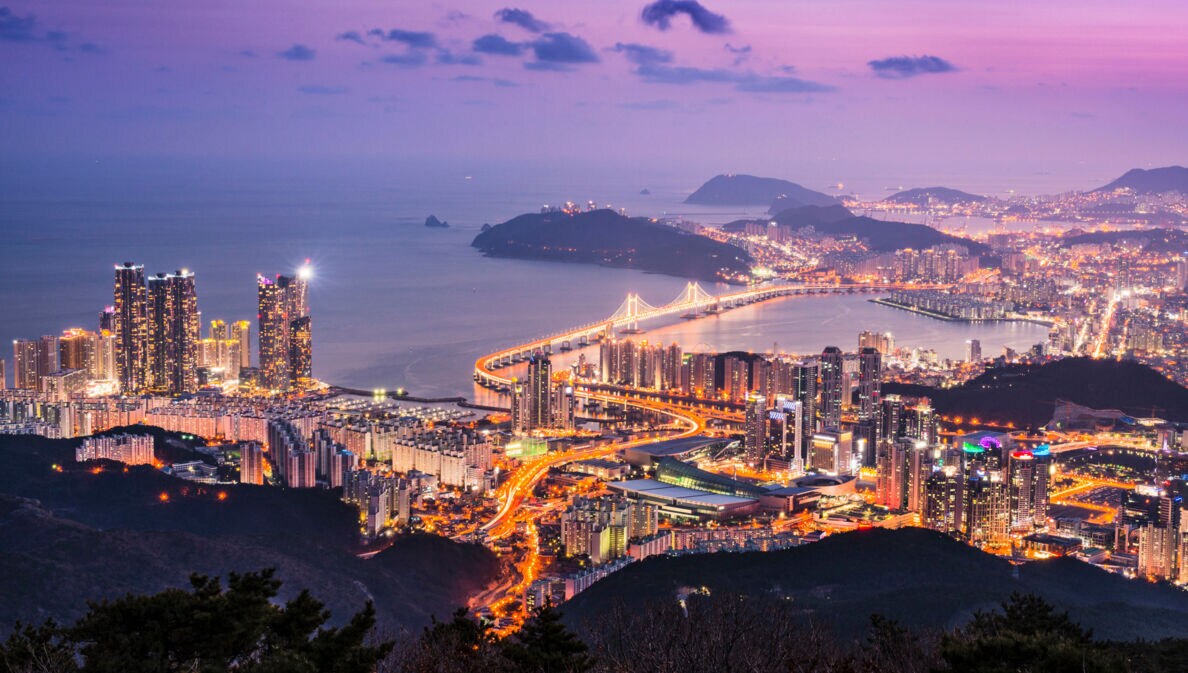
242	628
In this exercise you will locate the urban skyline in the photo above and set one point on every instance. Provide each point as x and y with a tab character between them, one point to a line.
644	335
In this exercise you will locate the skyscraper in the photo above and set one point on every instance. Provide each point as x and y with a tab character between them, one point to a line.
273	326
804	380
174	331
755	429
251	463
241	331
24	364
76	350
219	330
538	398
130	325
300	352
283	319
48	355
870	372
831	388
974	353
107	319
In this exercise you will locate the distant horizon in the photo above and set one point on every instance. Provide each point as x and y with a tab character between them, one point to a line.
22	176
817	93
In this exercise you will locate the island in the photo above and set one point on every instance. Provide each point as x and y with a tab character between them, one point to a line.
1152	181
925	196
433	222
607	238
749	190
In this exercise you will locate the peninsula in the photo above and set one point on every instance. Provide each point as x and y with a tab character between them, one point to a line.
607	238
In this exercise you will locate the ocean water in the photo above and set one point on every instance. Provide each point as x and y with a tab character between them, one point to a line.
394	304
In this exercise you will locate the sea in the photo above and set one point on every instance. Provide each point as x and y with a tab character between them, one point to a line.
395	304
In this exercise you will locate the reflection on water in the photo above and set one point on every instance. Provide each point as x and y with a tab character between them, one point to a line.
806	325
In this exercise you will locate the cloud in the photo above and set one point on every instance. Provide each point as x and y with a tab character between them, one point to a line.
351	36
408	59
25	29
413	38
740	53
780	84
642	54
742	81
322	90
661	12
248	53
447	57
15	28
903	67
298	52
496	81
522	18
560	49
498	45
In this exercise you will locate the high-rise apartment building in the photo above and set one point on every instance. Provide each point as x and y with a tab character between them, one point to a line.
273	329
755	429
538	403
24	364
76	350
285	331
870	374
832	388
300	352
130	325
173	333
241	331
251	463
973	351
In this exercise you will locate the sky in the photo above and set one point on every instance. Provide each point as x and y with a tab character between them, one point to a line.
1082	89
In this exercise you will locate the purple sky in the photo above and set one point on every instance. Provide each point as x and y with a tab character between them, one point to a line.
790	88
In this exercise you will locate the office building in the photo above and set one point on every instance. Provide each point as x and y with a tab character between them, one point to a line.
831	452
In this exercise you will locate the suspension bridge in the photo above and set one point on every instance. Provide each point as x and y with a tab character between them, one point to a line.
693	302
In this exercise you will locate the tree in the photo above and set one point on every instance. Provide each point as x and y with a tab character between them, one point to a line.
461	645
544	645
1027	636
37	649
208	629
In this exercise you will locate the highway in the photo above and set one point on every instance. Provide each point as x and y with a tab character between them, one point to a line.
523	482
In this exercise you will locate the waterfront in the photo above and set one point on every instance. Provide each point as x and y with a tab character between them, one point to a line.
394	304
